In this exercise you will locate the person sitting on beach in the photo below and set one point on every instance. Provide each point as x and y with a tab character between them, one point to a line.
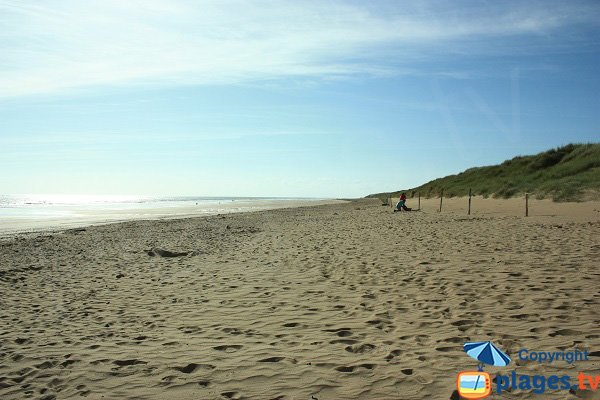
401	205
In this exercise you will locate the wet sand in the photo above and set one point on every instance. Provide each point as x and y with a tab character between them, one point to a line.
55	217
346	301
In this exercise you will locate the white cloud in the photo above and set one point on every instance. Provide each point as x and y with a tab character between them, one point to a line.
54	45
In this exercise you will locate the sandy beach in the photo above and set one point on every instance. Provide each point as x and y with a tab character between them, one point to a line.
342	301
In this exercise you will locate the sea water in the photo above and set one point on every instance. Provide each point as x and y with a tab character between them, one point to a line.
21	213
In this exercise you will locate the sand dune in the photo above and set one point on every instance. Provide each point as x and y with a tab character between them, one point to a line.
345	301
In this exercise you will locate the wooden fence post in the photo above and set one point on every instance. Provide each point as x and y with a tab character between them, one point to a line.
441	199
469	201
527	204
419	200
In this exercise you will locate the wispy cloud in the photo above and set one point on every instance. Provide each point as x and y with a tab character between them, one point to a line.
75	139
51	46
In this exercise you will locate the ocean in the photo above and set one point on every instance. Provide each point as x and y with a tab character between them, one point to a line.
25	213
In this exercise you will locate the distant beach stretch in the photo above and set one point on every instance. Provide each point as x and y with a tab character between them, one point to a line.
27	213
339	301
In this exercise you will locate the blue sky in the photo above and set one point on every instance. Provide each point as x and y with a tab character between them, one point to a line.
286	98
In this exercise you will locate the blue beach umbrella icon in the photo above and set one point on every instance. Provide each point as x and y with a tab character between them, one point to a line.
486	353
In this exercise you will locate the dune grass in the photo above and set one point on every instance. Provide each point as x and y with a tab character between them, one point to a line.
565	173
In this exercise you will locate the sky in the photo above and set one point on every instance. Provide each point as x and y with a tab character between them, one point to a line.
286	98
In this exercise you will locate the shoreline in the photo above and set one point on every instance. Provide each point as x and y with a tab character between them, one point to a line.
12	226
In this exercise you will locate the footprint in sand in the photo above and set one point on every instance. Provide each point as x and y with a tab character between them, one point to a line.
344	341
191	367
190	329
565	332
82	390
352	368
3	383
456	340
380	324
341	332
231	395
271	359
46	365
463	324
228	348
393	354
232	331
445	349
124	363
360	349
67	363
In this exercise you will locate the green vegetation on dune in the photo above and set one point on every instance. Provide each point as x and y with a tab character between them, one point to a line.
563	174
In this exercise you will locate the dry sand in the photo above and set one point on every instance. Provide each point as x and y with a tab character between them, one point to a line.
345	301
